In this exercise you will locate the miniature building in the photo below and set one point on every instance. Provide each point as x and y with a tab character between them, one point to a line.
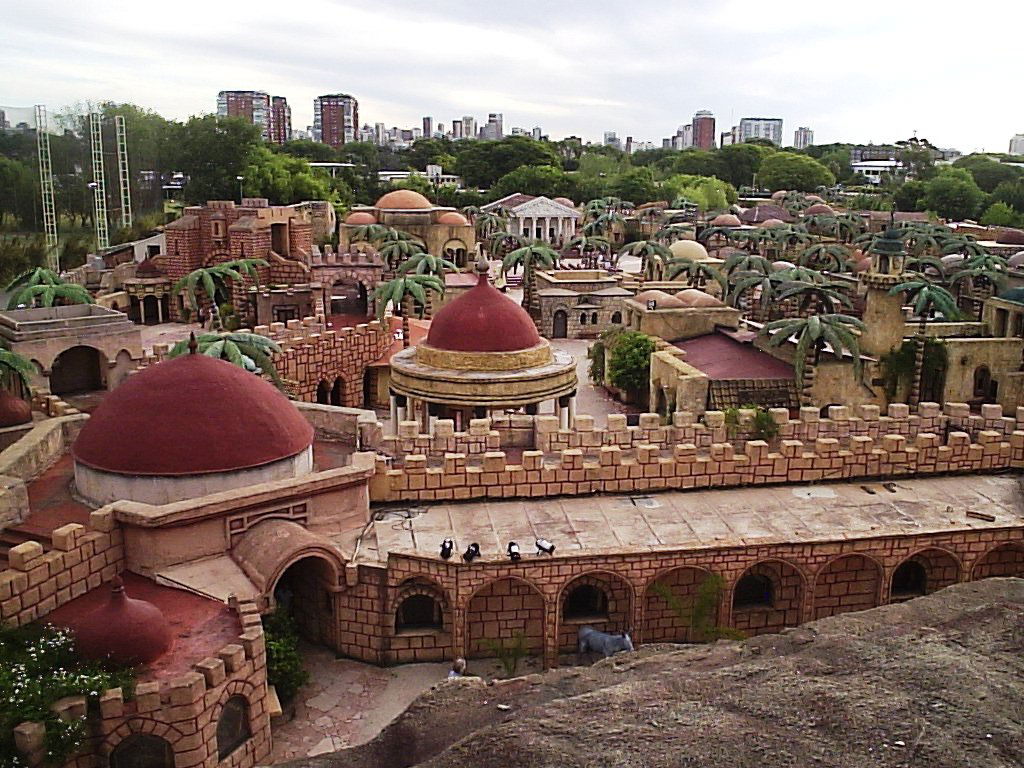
538	217
578	304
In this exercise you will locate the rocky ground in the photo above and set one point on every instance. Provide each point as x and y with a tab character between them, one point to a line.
938	681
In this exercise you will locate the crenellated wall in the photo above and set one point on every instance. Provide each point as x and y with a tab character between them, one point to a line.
688	454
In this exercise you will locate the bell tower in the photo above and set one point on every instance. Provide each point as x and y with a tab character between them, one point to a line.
883	313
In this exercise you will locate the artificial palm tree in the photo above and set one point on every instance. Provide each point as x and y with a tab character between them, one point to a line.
590	247
672	232
812	333
753	280
470	212
250	351
15	369
487	223
504	242
819	297
214	282
798	274
534	253
368	233
822	256
653	257
394	252
741	261
696	273
405	289
41	287
604	224
424	263
927	299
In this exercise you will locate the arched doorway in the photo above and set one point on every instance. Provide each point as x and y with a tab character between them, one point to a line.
560	325
349	297
150	310
670	607
142	750
923	573
599	600
78	369
767	598
337	391
305	591
848	583
323	393
455	251
1004	560
501	610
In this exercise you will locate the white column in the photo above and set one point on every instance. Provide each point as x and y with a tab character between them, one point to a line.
159	311
400	412
393	402
563	416
572	411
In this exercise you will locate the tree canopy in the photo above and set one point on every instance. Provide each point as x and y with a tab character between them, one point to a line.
788	170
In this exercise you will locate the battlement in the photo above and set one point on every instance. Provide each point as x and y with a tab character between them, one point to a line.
690	454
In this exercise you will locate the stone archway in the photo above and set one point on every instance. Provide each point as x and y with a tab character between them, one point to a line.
304	591
669	602
500	610
323	393
848	583
456	251
560	324
1004	560
601	599
922	573
767	598
77	369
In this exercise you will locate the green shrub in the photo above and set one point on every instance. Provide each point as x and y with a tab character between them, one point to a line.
629	364
38	666
508	654
284	662
700	613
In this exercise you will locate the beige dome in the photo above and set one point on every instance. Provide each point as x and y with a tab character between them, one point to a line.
692	297
778	266
819	209
778	195
688	249
452	219
359	218
725	220
403	200
565	201
664	300
767	223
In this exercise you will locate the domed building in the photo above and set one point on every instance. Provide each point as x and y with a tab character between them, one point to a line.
482	353
223	429
444	231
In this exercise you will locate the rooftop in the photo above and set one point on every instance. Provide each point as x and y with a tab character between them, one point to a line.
699	519
723	356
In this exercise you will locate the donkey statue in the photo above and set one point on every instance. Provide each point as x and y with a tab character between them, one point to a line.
595	641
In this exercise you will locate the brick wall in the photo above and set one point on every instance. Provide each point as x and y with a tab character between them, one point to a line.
787	587
663	624
500	610
849	583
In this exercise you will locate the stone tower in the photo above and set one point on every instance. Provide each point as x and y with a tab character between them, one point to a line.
883	313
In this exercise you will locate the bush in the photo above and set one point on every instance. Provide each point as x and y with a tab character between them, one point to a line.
629	364
38	666
284	662
509	654
999	214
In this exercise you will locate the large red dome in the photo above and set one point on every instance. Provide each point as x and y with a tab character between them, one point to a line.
191	415
482	320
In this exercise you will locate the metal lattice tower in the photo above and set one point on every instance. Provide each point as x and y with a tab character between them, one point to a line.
99	184
46	188
122	172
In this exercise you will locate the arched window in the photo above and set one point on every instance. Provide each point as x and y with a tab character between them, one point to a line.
419	612
753	591
616	318
586	602
583	318
909	579
142	750
982	381
233	726
593	318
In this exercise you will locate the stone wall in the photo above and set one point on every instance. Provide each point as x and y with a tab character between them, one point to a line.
688	454
27	458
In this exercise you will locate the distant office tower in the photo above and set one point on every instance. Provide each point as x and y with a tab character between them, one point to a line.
687	136
725	138
457	129
537	133
494	129
611	139
3	120
280	120
468	127
761	128
803	138
379	133
335	119
629	145
703	130
1017	144
428	127
251	106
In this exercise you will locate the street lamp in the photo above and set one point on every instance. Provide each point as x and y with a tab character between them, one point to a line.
240	179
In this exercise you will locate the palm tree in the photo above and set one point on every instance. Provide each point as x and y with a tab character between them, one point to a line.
487	223
394	252
405	289
470	212
16	369
752	280
590	247
529	256
504	242
214	281
812	334
424	263
823	256
821	297
604	223
653	257
672	232
250	351
797	274
927	299
41	287
696	273
368	233
741	261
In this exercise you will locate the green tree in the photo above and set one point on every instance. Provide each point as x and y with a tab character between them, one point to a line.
953	196
42	287
1011	193
629	361
741	162
635	184
699	162
529	256
544	180
482	163
19	189
15	370
213	152
999	214
909	196
404	292
927	299
812	334
282	179
788	170
987	173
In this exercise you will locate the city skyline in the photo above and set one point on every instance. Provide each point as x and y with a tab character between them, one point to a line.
590	74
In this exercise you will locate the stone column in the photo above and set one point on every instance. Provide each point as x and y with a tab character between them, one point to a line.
401	410
159	311
562	404
393	402
572	410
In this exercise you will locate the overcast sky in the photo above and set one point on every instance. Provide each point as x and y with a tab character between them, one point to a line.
864	71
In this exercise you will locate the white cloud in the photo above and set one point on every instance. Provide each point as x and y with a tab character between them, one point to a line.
873	70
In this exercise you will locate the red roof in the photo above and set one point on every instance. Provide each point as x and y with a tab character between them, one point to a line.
723	357
191	415
482	320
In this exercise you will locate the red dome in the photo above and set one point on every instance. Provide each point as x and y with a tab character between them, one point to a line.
482	320
357	218
403	200
191	415
453	219
13	410
122	630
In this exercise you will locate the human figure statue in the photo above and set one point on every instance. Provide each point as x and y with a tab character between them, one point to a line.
458	668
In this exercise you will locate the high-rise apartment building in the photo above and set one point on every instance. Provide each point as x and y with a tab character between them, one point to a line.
428	127
335	119
687	135
468	127
761	128
611	139
494	129
537	133
457	129
703	130
1017	144
803	138
280	120
251	106
379	133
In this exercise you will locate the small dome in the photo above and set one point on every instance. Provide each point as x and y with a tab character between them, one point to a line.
779	195
13	410
122	630
664	300
819	209
725	220
688	249
360	218
778	266
815	198
482	320
403	200
1010	237
452	219
565	201
692	297
768	223
213	417
1017	260
952	260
